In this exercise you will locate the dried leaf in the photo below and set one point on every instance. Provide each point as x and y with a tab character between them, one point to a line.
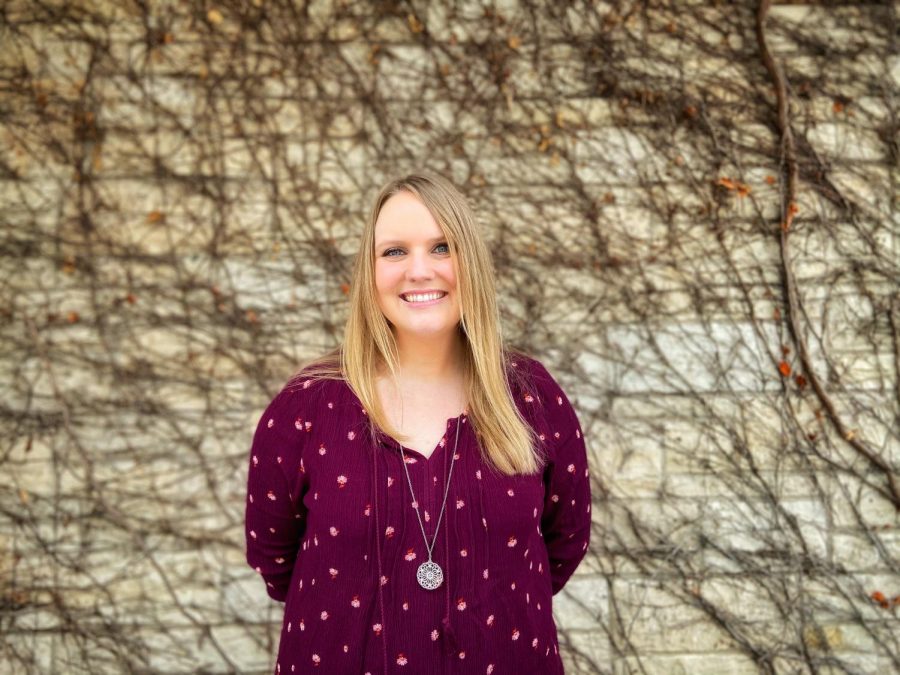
784	368
741	188
414	24
214	16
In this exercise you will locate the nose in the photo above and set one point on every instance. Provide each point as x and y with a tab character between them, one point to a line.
420	266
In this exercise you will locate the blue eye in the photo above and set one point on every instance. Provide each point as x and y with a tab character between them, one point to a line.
389	252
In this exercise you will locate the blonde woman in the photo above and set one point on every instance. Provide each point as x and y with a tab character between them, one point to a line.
418	495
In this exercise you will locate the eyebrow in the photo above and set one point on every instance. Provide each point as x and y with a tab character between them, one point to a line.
392	242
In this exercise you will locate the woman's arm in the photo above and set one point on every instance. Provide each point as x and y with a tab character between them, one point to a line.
275	516
566	521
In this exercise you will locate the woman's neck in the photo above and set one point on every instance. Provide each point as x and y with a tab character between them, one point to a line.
434	360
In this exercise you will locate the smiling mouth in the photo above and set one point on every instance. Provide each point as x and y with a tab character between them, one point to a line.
414	298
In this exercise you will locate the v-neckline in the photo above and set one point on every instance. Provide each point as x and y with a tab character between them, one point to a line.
448	426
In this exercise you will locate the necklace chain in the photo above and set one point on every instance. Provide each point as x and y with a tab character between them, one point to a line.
429	574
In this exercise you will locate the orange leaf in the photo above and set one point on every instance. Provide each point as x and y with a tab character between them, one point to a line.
784	368
345	288
741	188
878	597
514	42
155	216
770	180
72	317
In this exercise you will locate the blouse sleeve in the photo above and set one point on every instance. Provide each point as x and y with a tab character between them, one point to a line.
566	520
275	517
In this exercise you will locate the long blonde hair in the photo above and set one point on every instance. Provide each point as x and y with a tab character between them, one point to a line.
508	442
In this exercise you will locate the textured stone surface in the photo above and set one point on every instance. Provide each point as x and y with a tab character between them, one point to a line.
182	188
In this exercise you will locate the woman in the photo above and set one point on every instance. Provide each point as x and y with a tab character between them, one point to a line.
417	496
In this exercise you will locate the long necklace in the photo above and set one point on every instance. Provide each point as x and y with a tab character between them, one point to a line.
430	575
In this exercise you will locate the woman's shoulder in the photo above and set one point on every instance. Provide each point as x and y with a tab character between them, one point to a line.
527	371
310	388
304	391
532	381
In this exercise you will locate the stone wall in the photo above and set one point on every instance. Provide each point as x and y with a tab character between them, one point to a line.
712	277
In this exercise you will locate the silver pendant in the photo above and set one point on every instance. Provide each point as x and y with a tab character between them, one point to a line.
429	575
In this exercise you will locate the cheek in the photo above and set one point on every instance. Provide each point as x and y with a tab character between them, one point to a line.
449	274
384	279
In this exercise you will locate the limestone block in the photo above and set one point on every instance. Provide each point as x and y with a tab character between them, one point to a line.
586	651
870	552
632	458
847	142
653	621
715	663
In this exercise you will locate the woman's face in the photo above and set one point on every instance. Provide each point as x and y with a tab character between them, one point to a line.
412	258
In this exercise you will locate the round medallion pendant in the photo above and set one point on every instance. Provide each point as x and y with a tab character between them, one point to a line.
429	575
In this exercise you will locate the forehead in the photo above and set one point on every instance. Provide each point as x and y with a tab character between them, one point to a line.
403	217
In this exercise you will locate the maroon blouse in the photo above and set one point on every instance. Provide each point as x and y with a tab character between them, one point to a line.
343	556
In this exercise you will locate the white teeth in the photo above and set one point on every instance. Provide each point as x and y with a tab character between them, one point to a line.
422	297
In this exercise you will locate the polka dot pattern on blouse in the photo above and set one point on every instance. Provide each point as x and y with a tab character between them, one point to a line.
331	528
